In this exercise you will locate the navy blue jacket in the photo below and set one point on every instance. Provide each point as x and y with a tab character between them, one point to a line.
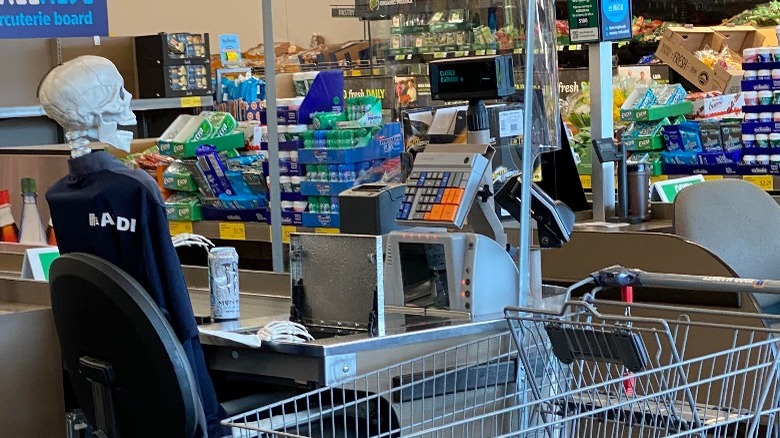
105	209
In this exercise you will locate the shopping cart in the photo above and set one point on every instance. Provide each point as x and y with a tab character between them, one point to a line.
594	368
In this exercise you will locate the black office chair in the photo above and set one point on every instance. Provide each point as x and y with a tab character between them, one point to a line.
128	369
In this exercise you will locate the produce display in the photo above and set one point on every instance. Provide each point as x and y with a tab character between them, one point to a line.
767	14
646	30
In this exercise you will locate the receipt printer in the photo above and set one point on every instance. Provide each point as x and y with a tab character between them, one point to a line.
370	208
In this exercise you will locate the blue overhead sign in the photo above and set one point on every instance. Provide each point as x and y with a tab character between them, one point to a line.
53	18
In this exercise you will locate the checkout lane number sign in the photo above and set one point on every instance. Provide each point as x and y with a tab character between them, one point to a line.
53	18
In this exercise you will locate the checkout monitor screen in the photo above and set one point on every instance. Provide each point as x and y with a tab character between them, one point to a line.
424	274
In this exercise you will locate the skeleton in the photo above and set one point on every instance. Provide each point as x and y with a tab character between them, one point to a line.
87	97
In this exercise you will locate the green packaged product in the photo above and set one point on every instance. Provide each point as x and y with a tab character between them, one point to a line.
327	120
183	207
223	123
177	177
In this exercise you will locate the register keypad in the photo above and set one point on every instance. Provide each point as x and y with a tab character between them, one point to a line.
433	196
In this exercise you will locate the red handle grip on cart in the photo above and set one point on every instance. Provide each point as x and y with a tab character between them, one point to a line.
627	294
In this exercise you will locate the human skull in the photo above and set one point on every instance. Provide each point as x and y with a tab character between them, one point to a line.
87	94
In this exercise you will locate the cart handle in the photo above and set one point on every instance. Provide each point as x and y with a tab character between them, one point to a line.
618	276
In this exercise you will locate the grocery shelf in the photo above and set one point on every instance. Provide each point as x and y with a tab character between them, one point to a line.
767	182
241	231
12	112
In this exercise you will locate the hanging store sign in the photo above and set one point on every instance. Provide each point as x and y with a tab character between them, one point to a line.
343	12
615	20
53	18
384	9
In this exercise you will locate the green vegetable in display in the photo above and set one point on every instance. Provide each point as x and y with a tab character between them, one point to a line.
767	14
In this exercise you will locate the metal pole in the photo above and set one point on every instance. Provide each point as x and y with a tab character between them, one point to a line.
273	138
528	158
603	178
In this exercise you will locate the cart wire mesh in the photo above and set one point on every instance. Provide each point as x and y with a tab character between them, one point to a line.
576	372
419	396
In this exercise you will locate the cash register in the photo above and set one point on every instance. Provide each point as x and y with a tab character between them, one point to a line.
434	266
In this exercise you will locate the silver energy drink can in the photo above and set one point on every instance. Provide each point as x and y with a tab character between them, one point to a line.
223	283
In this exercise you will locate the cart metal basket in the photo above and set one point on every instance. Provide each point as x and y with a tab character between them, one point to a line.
595	368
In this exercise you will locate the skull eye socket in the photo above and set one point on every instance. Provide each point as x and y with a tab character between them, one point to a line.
122	93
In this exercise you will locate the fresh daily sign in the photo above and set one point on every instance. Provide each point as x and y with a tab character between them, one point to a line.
53	18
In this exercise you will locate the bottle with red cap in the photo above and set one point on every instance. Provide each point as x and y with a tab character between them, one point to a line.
8	229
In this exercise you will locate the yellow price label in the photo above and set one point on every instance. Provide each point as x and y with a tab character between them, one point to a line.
180	227
326	230
657	178
713	177
766	182
439	55
376	72
587	181
232	231
191	102
231	56
287	231
356	73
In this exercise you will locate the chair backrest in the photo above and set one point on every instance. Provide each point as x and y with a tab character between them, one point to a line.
738	222
102	314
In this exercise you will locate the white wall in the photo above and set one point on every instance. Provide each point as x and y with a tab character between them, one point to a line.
294	20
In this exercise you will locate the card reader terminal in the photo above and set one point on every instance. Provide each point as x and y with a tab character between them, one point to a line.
441	188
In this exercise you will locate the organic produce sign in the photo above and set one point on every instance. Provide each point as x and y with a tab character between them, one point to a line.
53	18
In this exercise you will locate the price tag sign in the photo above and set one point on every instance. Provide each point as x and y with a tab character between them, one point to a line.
587	181
180	227
439	55
657	178
191	102
232	231
713	177
287	231
766	182
666	191
583	21
326	230
356	73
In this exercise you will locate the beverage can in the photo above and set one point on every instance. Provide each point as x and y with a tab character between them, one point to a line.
223	283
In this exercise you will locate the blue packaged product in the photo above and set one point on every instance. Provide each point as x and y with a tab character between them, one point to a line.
346	172
333	172
682	157
691	136
362	168
672	139
209	163
320	139
334	204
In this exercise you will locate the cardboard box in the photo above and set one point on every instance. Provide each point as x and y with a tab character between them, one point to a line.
739	38
349	51
677	50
